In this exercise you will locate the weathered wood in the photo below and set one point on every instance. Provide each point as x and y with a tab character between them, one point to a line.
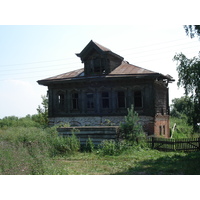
185	144
96	133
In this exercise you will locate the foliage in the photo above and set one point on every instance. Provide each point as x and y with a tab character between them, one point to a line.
181	106
189	76
29	150
182	129
89	145
192	30
112	148
42	151
131	129
13	121
42	116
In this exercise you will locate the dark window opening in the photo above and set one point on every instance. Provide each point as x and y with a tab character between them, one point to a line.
96	65
90	100
164	130
160	130
137	99
105	99
61	101
121	99
75	101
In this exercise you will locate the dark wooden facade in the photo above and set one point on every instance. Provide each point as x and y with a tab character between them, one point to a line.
105	88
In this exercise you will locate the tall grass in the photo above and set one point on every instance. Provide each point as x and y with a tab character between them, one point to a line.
30	150
182	130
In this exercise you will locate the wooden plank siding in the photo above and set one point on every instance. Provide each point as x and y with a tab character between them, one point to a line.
96	133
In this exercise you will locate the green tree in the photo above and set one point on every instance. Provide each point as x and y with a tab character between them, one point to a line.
131	129
189	76
192	30
42	116
182	108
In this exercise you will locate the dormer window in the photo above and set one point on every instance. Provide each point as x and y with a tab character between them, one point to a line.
96	66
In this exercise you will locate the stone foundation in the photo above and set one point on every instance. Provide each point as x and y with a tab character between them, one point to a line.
146	121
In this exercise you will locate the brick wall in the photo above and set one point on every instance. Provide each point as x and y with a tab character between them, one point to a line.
161	126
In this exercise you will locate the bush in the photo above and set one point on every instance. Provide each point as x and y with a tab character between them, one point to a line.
131	129
89	145
113	148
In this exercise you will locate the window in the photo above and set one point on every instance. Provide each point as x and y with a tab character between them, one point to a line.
75	101
121	99
137	99
90	100
60	101
95	65
105	99
160	130
164	130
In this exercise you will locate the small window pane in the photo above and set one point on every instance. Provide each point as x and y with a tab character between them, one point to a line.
105	99
61	101
90	100
75	101
121	99
138	99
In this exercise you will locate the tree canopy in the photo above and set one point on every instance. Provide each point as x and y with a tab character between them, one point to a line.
189	76
192	30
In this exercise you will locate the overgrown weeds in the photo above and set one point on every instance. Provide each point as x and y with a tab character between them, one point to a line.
29	151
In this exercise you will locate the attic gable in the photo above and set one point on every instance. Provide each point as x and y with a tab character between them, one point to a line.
98	59
95	47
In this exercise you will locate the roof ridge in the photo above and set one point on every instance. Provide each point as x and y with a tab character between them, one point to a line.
103	48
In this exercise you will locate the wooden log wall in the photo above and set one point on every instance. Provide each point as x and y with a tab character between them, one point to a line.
96	133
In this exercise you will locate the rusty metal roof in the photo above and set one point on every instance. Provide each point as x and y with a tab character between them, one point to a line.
125	69
68	75
102	47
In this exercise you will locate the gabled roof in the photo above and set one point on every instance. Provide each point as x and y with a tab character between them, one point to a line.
123	70
99	48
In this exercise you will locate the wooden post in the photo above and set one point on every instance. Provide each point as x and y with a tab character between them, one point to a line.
152	143
199	143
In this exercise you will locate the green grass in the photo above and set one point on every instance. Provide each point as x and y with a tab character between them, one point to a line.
37	151
147	162
183	130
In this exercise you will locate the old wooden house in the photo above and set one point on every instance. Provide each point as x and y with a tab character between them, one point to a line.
104	89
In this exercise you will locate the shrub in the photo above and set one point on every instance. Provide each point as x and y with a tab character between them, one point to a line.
113	148
131	129
89	145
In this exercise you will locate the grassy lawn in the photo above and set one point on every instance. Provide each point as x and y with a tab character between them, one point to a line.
133	163
36	151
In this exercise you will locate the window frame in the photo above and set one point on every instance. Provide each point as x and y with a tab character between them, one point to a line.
136	98
104	99
61	101
75	100
119	99
90	101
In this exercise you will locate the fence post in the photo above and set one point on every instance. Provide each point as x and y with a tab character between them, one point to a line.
199	143
152	143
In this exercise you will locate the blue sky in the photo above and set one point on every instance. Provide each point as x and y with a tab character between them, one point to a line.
29	53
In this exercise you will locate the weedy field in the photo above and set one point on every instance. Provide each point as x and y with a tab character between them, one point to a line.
37	151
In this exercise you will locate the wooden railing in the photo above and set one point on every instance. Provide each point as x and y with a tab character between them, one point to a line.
185	144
